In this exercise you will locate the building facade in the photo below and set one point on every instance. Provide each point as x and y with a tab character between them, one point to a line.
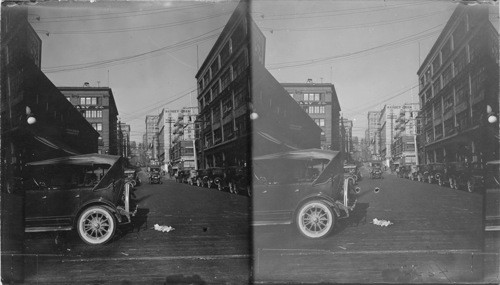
151	143
37	123
98	107
320	101
347	144
404	149
175	126
458	79
124	141
371	135
244	111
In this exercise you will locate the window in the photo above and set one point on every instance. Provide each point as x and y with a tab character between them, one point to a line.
216	114
437	86
449	127
225	78
217	136
311	97
239	65
88	100
228	131
208	140
446	51
215	91
436	63
240	97
447	75
320	122
437	109
206	78
448	102
461	91
462	121
99	113
439	131
97	126
225	52
478	79
460	62
227	106
215	66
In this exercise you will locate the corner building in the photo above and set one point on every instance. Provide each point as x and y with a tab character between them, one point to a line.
458	79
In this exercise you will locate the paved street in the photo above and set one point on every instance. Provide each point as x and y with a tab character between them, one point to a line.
436	236
210	243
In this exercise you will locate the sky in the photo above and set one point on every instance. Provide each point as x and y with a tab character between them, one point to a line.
148	52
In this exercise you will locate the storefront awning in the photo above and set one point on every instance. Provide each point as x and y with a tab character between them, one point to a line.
56	145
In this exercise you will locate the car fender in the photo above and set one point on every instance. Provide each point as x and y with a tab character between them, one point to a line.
104	203
321	197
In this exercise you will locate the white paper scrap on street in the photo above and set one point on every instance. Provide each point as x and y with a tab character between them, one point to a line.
382	223
163	228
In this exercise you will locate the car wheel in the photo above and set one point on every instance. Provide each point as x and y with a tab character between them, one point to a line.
315	219
470	185
96	225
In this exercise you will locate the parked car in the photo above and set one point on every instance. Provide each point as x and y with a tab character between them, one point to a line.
238	180
302	187
192	177
403	171
413	173
470	176
132	176
83	192
440	173
376	173
155	176
352	171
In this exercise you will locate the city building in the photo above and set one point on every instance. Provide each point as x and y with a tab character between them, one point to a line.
320	101
124	140
347	139
404	149
37	123
151	137
387	123
458	80
175	126
98	107
233	88
371	134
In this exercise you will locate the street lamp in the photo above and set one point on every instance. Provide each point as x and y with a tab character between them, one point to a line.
30	116
492	117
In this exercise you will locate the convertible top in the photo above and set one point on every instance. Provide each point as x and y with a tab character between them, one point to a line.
303	154
84	159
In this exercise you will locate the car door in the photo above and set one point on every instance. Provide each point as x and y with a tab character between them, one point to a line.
35	210
62	203
275	198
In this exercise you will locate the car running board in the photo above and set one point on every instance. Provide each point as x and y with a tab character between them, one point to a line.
46	229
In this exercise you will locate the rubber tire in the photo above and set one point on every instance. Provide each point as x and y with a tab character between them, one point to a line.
96	210
300	219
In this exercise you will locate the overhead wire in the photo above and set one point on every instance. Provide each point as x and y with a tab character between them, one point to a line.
398	42
142	28
117	14
111	62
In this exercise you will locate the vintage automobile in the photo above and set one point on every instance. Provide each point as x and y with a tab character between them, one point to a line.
413	172
352	171
83	192
237	180
302	187
132	176
192	177
440	173
423	172
403	171
376	173
469	176
155	176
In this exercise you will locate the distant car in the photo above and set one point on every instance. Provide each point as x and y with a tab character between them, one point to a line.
83	192
376	173
302	187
